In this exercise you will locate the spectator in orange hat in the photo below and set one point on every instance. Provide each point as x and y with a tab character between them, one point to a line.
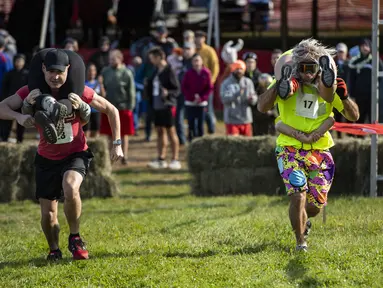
238	95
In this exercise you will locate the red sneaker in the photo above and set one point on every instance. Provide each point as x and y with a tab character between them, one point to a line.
77	248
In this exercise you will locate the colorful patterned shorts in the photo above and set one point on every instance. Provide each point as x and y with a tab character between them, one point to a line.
306	171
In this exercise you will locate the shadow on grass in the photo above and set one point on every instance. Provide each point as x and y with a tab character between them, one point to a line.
259	247
42	262
149	171
296	270
172	182
178	225
34	262
148	210
312	282
203	254
249	209
156	196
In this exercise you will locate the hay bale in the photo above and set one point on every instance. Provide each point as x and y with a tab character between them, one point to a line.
10	159
267	180
26	182
101	161
17	172
362	177
235	181
99	181
225	181
98	185
345	156
210	153
352	160
235	165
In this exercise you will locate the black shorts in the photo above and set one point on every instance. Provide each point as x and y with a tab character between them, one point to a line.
94	122
164	117
49	173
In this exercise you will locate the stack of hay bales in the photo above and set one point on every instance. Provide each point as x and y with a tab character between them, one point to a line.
99	181
17	172
233	165
352	171
26	184
10	158
237	165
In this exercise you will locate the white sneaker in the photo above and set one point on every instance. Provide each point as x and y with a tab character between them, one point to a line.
175	165
158	164
301	248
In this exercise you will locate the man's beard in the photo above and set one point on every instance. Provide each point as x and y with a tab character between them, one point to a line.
237	76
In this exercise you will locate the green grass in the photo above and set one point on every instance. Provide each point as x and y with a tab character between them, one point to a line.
158	235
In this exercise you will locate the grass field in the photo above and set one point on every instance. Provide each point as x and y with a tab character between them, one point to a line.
158	235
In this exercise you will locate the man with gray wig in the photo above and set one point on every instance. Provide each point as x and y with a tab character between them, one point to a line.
304	91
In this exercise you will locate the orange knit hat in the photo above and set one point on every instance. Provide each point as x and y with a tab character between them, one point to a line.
239	64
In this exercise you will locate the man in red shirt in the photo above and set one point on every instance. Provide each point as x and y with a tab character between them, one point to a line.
62	166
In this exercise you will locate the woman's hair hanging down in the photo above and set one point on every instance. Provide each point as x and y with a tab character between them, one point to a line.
309	50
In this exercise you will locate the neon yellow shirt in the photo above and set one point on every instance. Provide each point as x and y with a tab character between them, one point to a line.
305	111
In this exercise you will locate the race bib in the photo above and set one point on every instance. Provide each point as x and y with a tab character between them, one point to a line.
67	135
307	106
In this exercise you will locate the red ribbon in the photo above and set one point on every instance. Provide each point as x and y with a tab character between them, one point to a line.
358	129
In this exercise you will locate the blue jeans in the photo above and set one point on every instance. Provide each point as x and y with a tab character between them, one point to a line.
136	111
209	116
196	116
180	117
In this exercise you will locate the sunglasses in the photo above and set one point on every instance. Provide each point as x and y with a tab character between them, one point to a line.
312	68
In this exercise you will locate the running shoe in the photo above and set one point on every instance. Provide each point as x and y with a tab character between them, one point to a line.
308	229
283	85
301	248
328	75
158	164
77	248
47	126
58	116
55	255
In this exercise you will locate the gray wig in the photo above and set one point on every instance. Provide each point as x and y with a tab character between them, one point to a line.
309	50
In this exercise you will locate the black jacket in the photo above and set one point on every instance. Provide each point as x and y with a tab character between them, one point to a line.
343	70
168	80
359	82
100	60
254	77
13	81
